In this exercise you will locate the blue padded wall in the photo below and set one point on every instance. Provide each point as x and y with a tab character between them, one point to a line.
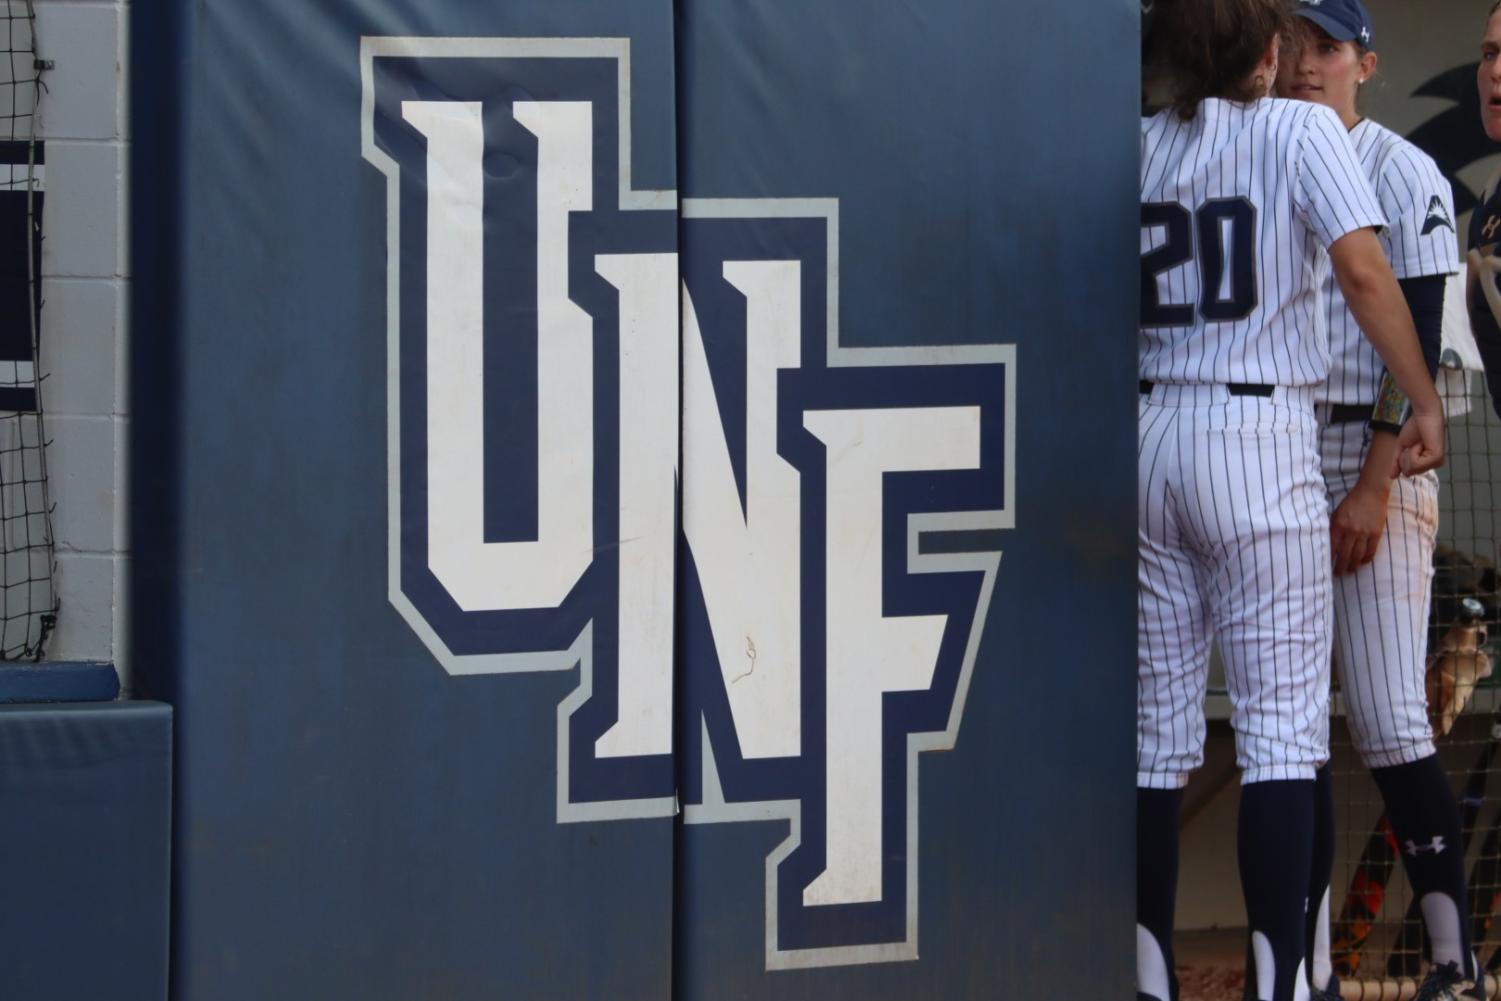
386	791
85	809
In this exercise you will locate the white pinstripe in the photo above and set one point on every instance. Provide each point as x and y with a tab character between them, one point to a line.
1293	162
1233	515
1233	525
1381	610
1406	181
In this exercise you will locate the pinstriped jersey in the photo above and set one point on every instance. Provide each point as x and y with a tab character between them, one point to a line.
1419	240
1236	205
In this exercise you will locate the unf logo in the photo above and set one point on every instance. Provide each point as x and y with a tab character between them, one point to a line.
774	529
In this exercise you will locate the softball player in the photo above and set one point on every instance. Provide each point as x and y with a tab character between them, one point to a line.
1383	532
1240	193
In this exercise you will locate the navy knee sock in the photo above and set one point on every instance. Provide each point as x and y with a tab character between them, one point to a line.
1425	819
1321	874
1276	848
1156	891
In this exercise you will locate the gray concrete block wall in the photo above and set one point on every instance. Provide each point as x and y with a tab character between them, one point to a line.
85	288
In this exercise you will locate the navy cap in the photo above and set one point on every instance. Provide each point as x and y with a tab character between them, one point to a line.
1344	20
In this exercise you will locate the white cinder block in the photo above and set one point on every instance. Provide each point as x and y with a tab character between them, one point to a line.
81	220
122	215
85	622
81	477
122	349
83	87
84	115
122	106
122	486
80	325
17	97
120	641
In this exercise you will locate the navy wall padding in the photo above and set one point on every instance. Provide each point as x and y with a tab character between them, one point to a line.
59	681
85	804
987	192
354	824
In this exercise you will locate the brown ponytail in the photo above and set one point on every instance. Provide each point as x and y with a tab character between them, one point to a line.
1208	48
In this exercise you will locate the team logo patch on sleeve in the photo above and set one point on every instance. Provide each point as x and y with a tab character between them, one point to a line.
768	624
1438	216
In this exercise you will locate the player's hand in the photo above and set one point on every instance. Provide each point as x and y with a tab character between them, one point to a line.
1356	526
1420	446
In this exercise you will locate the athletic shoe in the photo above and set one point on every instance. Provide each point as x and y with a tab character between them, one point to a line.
1444	983
1329	993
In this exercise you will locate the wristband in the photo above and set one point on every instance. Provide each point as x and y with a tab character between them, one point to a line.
1392	407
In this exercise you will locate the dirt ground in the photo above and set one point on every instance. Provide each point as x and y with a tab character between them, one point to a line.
1211	965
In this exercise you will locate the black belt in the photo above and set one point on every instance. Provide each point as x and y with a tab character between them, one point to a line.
1348	413
1234	388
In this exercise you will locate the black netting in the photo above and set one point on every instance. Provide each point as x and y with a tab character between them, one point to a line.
1377	934
28	599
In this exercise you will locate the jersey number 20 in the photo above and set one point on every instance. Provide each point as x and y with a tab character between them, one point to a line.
1222	231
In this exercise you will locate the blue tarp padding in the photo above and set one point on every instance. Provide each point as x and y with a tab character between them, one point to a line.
353	822
59	681
987	192
85	803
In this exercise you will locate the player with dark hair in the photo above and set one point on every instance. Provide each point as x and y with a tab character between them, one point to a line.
1239	195
1383	532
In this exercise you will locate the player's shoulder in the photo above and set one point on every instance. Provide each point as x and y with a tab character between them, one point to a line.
1296	113
1297	124
1393	153
1165	123
1271	123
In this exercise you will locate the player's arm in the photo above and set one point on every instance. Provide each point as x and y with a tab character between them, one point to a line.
1336	201
1359	521
1376	301
1418	202
1425	300
1357	524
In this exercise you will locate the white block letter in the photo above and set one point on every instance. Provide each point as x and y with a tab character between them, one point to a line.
485	576
747	559
870	654
648	473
